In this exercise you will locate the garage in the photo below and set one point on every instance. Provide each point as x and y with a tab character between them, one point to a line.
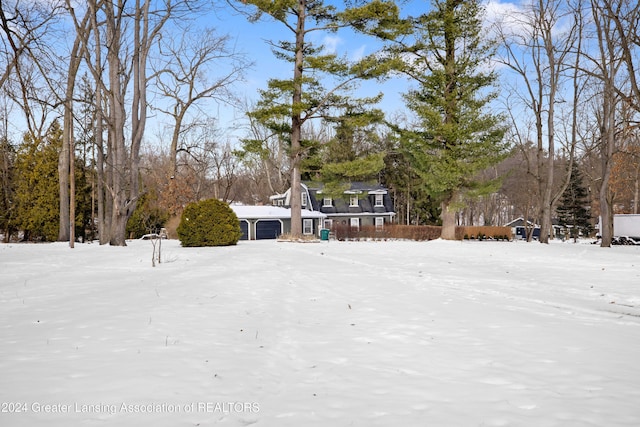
269	222
268	229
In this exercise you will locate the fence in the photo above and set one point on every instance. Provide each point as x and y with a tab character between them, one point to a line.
416	232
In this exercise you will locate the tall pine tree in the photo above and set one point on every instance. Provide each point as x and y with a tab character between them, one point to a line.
573	211
456	138
303	96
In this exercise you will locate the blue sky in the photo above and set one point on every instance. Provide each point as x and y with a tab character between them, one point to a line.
252	39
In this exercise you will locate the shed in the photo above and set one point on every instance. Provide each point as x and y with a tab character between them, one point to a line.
519	228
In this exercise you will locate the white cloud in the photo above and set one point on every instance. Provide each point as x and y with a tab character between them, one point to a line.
508	16
330	44
358	53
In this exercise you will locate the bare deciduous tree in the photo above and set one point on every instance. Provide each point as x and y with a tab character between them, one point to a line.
607	64
122	34
28	74
264	159
540	54
190	70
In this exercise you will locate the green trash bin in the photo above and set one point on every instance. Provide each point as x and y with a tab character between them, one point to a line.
324	234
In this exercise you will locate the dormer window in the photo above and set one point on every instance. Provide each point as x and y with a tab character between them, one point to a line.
353	200
327	202
379	200
304	199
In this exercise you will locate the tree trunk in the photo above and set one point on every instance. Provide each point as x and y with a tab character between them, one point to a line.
72	191
636	191
550	50
101	177
606	220
296	202
607	143
448	216
118	230
296	125
65	162
173	149
63	180
609	67
117	117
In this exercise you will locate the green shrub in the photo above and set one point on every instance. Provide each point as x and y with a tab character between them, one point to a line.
209	223
147	218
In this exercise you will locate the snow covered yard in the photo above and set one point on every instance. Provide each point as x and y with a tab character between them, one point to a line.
324	334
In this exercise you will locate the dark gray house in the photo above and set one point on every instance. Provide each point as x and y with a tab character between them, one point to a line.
361	205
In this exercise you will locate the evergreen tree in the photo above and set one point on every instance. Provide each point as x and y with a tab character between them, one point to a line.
84	209
573	211
37	196
7	189
412	203
288	104
148	217
355	153
456	138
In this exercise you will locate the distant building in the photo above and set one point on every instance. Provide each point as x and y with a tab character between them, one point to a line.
520	227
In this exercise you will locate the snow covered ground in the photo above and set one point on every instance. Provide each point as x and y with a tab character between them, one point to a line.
322	334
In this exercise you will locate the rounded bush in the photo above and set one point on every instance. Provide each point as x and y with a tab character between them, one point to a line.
209	223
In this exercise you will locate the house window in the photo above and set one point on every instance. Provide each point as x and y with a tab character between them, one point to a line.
355	223
328	223
304	199
379	201
353	200
307	226
379	223
327	201
280	202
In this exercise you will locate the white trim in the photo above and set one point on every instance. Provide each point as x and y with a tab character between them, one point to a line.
379	222
307	223
270	212
356	221
246	221
361	214
351	199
